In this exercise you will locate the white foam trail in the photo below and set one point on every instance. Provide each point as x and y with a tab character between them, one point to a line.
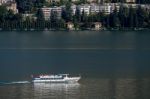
15	82
20	82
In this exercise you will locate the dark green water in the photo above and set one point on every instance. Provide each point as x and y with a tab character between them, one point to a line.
113	64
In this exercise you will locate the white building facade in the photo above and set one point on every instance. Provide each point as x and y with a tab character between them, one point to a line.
85	8
48	11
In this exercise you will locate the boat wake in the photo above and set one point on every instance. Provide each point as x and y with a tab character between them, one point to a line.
14	82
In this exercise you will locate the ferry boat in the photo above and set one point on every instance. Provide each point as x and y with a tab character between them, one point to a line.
60	78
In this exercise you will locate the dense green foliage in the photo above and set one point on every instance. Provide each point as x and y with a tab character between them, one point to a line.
125	18
124	1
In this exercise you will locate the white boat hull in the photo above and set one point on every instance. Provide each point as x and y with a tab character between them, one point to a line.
65	80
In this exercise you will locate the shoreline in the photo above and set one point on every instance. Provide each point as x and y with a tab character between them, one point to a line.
102	29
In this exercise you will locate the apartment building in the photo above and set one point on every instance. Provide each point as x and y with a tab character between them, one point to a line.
58	11
130	1
12	6
5	1
85	8
47	12
106	8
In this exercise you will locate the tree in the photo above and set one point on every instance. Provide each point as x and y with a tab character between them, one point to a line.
40	15
101	17
143	1
77	15
83	16
68	12
62	2
123	16
54	19
24	5
83	1
131	17
3	13
10	15
142	16
18	17
39	3
114	21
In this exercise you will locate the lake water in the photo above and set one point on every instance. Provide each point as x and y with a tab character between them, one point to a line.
113	64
